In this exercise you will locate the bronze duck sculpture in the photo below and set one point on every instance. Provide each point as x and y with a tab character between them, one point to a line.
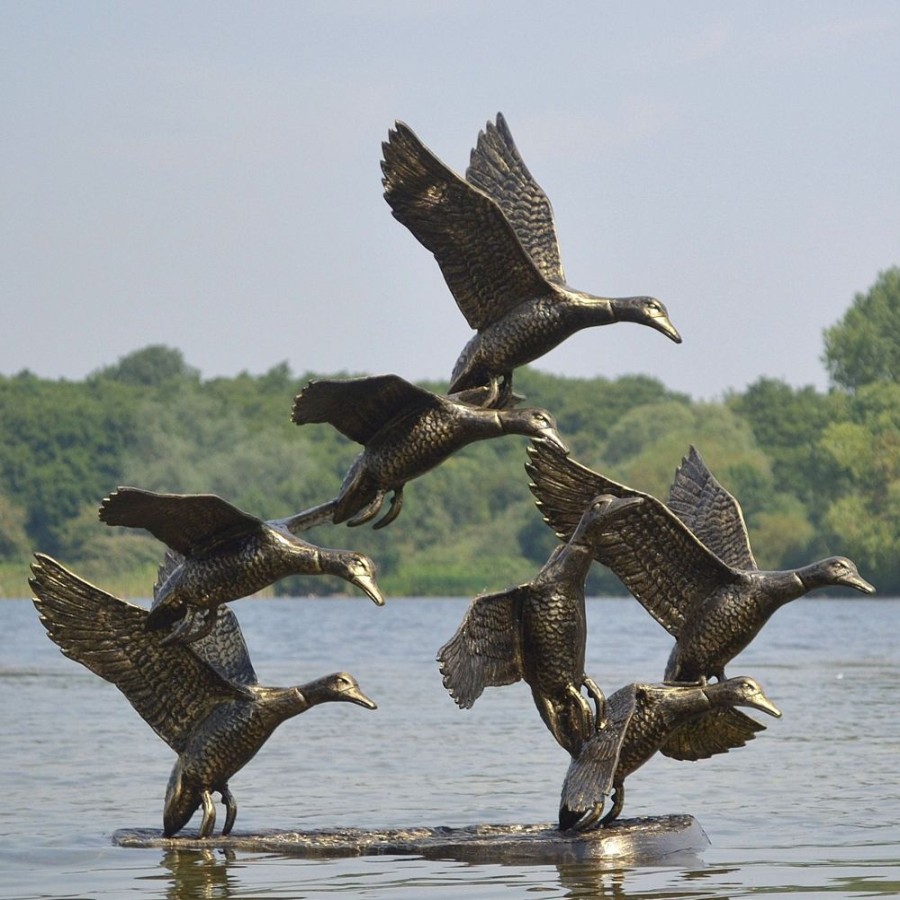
641	719
536	632
220	553
493	236
405	431
689	563
202	699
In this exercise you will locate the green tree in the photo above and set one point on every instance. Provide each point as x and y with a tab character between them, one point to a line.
864	347
864	522
151	367
788	424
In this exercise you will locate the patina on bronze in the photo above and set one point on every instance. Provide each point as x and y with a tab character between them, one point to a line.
536	632
493	236
641	719
202	699
632	841
220	553
700	582
406	431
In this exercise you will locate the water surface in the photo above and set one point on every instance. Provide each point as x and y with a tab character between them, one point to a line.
811	806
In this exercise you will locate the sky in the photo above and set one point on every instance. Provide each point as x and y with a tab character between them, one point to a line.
206	176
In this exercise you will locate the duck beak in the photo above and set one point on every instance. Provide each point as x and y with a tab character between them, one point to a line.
764	704
858	583
617	505
368	584
355	695
551	437
662	323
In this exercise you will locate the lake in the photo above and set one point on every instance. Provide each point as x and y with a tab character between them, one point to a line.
812	805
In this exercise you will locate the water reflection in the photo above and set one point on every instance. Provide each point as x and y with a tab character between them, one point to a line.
617	881
200	874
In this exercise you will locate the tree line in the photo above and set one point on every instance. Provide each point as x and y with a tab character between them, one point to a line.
817	473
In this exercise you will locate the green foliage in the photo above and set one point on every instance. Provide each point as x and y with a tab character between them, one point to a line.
866	521
815	473
863	348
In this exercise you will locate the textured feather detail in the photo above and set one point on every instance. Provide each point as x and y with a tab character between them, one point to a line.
498	169
717	731
563	487
710	512
486	650
171	561
661	563
590	776
361	407
225	650
188	523
649	548
169	686
480	256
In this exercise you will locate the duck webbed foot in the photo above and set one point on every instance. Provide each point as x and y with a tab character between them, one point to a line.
230	809
196	623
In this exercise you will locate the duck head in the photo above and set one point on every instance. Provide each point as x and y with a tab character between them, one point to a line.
357	568
740	691
834	572
600	514
645	311
338	686
533	423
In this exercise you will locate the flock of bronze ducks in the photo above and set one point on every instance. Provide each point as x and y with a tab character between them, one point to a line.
184	665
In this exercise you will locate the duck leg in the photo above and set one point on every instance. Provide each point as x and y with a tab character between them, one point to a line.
618	803
230	808
209	815
587	716
599	700
393	509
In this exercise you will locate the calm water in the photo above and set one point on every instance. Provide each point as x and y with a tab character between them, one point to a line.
811	806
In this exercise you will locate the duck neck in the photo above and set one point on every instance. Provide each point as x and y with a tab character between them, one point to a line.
784	586
588	310
569	561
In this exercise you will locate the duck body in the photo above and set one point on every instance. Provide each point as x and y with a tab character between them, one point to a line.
535	632
203	698
532	328
406	431
723	623
492	234
689	563
230	736
642	719
218	553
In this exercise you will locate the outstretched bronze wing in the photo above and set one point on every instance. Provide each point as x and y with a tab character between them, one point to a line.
716	731
486	650
648	547
589	779
563	488
188	523
496	167
482	260
713	514
360	407
225	649
170	686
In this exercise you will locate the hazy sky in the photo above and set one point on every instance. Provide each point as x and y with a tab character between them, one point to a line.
206	176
